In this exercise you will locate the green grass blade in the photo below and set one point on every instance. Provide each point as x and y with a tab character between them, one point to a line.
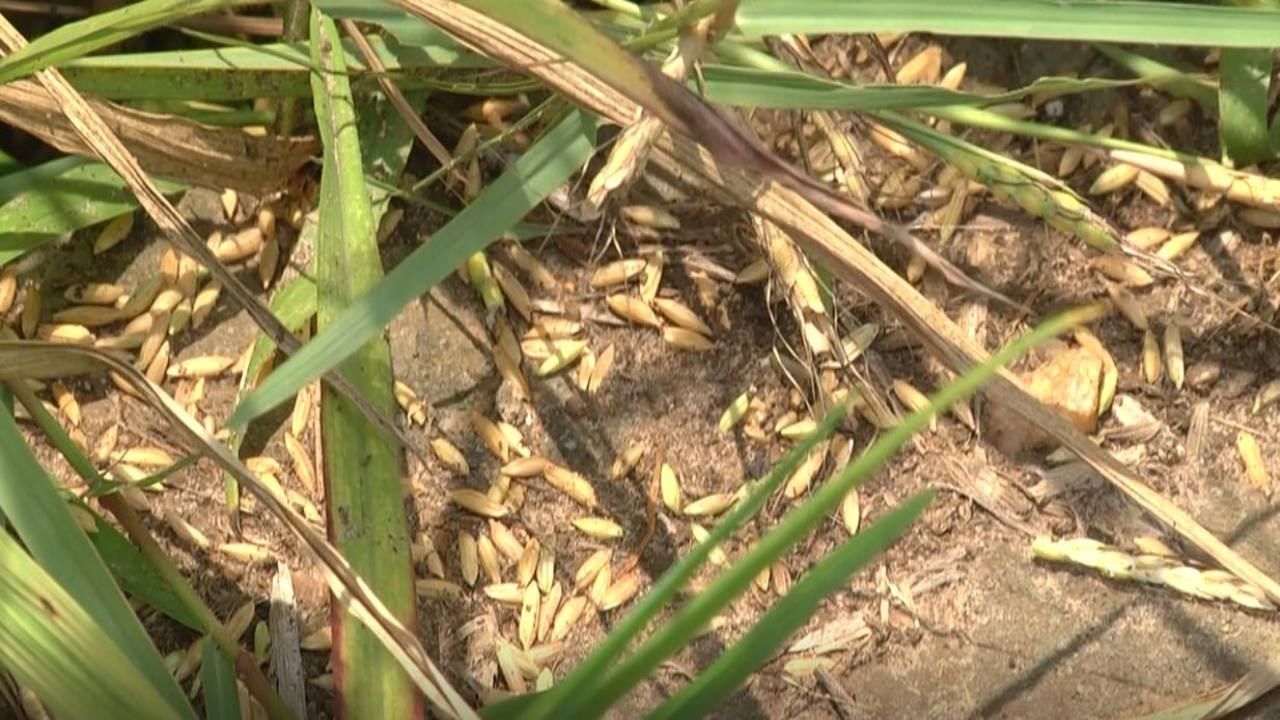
293	305
1242	105
668	587
280	70
793	89
44	203
409	29
362	475
19	180
127	565
1164	77
1168	23
32	506
221	699
527	182
99	30
136	577
718	682
54	646
601	693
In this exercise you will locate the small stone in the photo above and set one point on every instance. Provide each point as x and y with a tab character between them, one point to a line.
1070	383
1203	374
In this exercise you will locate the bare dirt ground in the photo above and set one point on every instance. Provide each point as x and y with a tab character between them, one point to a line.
990	634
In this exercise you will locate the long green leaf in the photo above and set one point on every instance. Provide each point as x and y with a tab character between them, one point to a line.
1168	23
363	490
409	29
715	684
46	202
136	577
1162	76
294	305
592	697
54	646
279	70
221	698
100	30
1242	104
131	570
527	182
33	507
786	89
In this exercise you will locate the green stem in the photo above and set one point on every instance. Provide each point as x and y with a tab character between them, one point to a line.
296	13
